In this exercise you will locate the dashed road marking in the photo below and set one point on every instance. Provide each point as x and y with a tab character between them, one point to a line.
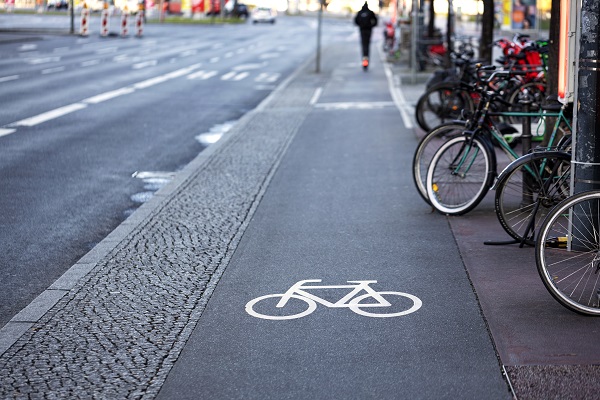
202	74
9	78
52	70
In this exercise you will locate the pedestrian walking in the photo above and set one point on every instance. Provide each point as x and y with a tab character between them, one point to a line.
366	20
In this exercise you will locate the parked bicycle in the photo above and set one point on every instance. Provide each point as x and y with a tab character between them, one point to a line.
489	121
463	169
568	253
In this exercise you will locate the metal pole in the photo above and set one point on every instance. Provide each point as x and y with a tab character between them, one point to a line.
72	31
586	156
414	39
320	17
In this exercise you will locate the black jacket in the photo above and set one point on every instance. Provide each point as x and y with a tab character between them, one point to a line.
365	18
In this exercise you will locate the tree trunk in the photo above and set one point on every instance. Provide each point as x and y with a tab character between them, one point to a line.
487	32
431	25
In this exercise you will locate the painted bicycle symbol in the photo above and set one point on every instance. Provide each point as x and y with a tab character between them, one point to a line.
360	304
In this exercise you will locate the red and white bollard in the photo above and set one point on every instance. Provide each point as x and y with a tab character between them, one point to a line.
125	22
84	28
139	23
104	23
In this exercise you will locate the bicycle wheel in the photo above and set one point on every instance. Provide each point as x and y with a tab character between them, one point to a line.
427	147
568	253
409	304
459	176
535	90
528	189
444	102
296	311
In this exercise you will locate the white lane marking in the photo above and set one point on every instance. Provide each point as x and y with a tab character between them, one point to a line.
4	132
268	55
316	96
121	57
89	63
229	54
268	77
245	67
188	53
240	76
241	51
228	76
59	112
145	64
202	75
9	78
214	60
106	50
27	47
398	98
43	60
108	95
355	105
52	70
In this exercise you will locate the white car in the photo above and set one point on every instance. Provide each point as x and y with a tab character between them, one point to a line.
264	14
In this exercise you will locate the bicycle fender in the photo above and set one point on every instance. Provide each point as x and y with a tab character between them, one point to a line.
526	158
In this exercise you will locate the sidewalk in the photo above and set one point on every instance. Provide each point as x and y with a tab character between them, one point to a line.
313	184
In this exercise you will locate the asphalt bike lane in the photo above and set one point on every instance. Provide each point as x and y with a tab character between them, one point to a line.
370	296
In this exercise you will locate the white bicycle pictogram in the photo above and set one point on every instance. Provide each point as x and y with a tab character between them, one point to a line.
299	291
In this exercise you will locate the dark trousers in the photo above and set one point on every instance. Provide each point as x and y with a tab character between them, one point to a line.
365	39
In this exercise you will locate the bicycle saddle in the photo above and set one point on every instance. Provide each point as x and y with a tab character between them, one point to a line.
551	103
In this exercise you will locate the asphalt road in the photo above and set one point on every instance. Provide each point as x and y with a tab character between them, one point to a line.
90	127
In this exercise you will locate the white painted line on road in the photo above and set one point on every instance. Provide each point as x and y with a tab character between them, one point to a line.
4	132
228	76
241	75
47	116
89	63
52	70
59	112
108	95
355	105
269	55
145	64
43	60
268	77
27	47
202	75
229	54
121	57
107	50
398	97
9	78
246	67
188	53
214	60
316	96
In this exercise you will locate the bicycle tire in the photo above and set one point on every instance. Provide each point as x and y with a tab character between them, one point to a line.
567	253
531	187
425	150
312	306
460	174
443	102
355	306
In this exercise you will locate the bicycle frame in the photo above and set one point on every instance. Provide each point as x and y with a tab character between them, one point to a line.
299	289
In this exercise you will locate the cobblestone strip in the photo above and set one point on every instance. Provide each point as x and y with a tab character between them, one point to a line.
119	331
